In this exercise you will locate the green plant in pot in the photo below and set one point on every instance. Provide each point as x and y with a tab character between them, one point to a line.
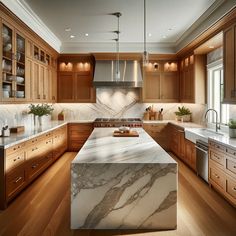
40	110
232	128
183	114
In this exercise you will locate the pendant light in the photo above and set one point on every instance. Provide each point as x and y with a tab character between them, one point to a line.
117	72
145	53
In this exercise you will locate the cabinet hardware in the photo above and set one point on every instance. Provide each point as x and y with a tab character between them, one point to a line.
38	96
44	96
18	179
217	176
34	166
234	188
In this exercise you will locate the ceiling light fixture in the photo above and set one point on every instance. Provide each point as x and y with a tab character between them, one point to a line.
68	29
86	34
164	36
117	39
145	53
72	36
149	35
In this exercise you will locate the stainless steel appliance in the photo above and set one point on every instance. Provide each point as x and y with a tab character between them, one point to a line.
202	159
114	122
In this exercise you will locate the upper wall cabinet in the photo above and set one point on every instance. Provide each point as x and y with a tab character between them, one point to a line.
229	48
161	82
75	79
14	85
28	65
193	79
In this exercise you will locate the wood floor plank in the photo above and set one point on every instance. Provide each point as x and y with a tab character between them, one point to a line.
44	208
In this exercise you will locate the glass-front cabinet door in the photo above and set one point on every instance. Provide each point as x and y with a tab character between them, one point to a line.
13	64
8	85
20	67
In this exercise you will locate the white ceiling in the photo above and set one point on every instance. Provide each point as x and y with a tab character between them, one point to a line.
92	17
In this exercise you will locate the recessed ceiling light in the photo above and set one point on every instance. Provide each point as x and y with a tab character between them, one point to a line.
164	36
68	29
170	29
149	35
72	36
211	46
86	34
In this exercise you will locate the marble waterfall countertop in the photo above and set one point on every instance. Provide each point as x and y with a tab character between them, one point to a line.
32	132
123	183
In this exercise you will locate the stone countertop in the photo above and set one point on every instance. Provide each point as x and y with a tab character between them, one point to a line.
102	147
32	132
226	140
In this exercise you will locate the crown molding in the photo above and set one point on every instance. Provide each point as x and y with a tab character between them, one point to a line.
214	13
73	47
22	10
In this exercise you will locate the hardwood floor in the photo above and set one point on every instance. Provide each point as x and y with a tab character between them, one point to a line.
44	208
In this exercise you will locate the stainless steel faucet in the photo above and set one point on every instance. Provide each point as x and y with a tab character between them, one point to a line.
217	124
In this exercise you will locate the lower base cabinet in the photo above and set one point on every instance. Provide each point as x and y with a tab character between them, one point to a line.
78	133
22	163
222	170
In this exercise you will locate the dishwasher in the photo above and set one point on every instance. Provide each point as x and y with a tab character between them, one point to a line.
202	159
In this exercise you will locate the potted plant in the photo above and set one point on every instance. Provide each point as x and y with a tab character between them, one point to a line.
183	114
40	110
232	128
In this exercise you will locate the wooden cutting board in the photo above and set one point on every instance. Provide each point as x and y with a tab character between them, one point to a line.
132	133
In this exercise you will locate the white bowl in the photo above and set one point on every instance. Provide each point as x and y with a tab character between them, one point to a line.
124	129
7	48
19	79
6	94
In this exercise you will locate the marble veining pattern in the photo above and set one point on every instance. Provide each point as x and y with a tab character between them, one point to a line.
123	183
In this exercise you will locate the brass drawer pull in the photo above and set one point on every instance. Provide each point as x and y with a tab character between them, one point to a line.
34	166
18	179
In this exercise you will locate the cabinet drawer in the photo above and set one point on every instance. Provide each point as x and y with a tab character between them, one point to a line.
81	127
14	160
231	187
37	166
16	148
217	176
218	158
231	152
231	166
217	146
14	182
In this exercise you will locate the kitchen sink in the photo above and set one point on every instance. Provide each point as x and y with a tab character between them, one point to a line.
203	134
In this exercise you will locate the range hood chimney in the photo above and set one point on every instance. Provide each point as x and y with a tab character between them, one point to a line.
130	74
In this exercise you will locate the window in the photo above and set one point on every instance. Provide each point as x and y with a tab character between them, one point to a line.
216	93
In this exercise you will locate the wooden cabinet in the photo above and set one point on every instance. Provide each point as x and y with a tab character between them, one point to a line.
190	154
22	163
75	79
59	141
229	48
181	147
159	132
77	135
27	63
193	79
222	170
161	82
14	83
177	142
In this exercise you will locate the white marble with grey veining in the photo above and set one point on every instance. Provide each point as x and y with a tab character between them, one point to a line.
123	183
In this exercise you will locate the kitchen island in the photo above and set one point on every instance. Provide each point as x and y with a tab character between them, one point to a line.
123	183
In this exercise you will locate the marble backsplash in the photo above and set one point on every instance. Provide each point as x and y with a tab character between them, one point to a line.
113	103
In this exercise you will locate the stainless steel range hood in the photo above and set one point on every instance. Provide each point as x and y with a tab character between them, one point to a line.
130	74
